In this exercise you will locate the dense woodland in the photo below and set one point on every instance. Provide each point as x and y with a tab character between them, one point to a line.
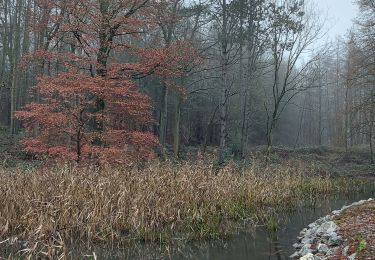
149	129
114	79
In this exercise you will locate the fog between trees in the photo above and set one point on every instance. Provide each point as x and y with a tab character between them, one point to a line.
255	81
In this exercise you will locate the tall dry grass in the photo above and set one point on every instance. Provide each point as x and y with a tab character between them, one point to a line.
43	211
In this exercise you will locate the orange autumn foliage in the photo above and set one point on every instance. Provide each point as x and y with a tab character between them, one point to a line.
91	109
63	121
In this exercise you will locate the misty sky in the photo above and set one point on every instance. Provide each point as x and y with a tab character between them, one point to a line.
339	13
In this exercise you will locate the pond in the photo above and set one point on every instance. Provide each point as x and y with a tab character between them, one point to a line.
260	244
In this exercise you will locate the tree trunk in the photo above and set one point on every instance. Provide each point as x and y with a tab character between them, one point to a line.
163	117
371	128
224	85
12	103
176	132
371	143
243	87
270	137
244	127
16	56
300	122
320	130
163	122
346	118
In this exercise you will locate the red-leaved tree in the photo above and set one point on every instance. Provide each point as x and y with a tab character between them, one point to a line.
67	112
89	107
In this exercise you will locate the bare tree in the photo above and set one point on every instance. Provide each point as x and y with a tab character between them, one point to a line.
292	31
226	22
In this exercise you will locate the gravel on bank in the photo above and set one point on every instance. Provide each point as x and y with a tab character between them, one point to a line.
348	233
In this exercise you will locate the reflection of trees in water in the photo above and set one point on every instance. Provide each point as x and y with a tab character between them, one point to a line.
275	248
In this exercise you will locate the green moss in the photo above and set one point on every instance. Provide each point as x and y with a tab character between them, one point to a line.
361	246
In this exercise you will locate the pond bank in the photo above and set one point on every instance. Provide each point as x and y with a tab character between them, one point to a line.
160	202
344	234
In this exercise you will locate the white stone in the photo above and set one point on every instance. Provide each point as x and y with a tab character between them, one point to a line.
294	255
345	251
323	248
334	240
345	207
326	227
307	240
305	249
312	225
323	220
308	256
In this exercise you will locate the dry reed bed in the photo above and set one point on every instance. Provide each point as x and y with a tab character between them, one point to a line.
48	208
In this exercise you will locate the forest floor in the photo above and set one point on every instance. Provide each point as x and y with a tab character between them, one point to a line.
335	161
357	227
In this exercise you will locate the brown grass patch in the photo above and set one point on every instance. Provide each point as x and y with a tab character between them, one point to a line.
43	211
